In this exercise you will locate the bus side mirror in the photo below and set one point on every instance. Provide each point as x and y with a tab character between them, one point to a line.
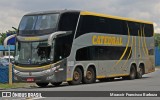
57	34
7	39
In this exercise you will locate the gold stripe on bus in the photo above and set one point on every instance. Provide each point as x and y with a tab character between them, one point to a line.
126	47
42	67
145	45
31	38
114	17
139	40
101	77
56	63
117	75
128	54
69	79
142	35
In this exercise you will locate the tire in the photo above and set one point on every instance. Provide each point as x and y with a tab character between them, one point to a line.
90	76
77	77
140	72
56	83
41	84
132	74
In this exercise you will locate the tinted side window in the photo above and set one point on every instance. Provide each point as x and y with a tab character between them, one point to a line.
68	22
62	47
117	27
134	27
83	54
148	30
101	53
63	44
112	53
102	25
96	24
87	53
86	25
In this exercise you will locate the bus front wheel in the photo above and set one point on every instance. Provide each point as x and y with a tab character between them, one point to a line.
77	77
41	84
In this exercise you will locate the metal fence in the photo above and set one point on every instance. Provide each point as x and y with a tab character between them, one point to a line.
4	74
157	56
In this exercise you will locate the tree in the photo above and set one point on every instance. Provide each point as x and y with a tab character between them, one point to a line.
2	38
4	35
157	40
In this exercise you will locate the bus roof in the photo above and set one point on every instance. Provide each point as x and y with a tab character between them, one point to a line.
89	13
52	11
114	17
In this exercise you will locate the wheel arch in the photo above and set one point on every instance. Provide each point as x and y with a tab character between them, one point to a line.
92	66
79	66
133	64
142	65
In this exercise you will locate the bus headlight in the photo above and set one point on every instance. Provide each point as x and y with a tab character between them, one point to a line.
15	71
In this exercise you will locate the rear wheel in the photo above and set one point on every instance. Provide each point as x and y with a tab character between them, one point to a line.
42	84
56	83
132	74
90	76
140	72
77	77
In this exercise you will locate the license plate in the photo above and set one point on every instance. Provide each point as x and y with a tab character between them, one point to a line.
30	79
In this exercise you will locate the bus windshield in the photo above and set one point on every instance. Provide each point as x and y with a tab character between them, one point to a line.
36	23
35	53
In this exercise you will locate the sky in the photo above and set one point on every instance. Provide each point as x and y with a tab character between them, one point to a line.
11	11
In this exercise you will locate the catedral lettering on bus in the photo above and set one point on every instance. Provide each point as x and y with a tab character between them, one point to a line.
80	47
107	40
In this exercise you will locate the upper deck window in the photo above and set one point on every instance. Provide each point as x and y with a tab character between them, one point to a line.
38	24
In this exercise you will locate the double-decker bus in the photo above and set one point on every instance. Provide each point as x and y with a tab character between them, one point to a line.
79	47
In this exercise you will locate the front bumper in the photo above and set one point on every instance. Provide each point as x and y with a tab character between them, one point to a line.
41	76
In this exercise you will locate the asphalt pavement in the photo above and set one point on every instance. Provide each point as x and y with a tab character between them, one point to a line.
149	82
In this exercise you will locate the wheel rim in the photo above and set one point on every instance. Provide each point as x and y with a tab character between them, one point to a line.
89	75
76	75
